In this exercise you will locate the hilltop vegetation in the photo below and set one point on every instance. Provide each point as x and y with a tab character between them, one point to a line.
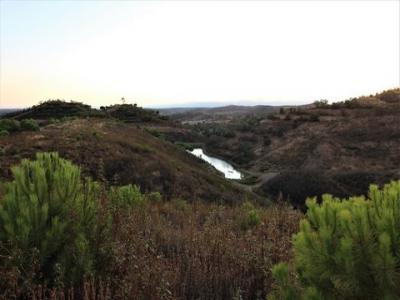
60	109
53	109
132	113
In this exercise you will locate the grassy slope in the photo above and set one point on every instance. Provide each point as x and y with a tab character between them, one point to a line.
123	153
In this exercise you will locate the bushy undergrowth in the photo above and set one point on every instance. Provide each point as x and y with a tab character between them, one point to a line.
29	125
8	126
63	237
346	249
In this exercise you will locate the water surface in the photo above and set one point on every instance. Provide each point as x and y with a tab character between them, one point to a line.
217	163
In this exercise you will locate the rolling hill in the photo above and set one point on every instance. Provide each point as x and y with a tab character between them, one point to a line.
122	153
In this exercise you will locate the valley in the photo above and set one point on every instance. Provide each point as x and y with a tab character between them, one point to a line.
289	152
170	207
309	150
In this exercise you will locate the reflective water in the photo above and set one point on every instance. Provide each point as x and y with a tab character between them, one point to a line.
219	164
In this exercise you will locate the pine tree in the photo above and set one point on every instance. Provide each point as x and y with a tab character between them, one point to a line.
347	249
49	209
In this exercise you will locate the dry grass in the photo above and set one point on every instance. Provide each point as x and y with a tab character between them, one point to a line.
177	250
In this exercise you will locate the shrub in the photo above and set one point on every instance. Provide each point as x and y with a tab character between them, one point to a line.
347	249
323	103
47	208
314	118
179	204
126	197
9	125
267	141
154	197
4	132
155	133
244	154
185	146
29	125
250	217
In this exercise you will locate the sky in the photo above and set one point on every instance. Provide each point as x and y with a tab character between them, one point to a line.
183	53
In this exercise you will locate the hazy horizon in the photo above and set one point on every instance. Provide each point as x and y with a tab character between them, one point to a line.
181	54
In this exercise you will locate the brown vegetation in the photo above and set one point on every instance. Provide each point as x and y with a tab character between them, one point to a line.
178	250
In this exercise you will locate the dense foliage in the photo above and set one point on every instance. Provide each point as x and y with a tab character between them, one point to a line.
389	97
29	125
133	113
346	249
8	126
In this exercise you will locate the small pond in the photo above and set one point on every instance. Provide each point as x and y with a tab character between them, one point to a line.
217	163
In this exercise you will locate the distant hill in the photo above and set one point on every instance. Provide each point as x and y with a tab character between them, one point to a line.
219	114
57	109
177	110
52	109
4	111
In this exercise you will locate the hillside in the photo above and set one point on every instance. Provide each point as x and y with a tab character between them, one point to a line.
306	151
52	109
4	111
122	153
297	151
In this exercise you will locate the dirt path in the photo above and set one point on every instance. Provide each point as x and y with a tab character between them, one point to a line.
261	179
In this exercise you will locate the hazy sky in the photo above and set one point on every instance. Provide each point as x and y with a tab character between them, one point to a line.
171	53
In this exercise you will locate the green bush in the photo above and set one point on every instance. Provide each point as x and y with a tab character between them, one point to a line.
29	125
127	196
346	249
49	210
4	132
250	217
155	133
179	204
321	103
154	197
9	125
